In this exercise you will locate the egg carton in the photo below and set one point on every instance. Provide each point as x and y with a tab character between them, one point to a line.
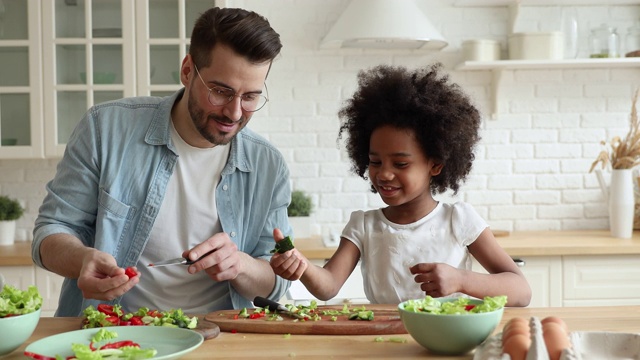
491	349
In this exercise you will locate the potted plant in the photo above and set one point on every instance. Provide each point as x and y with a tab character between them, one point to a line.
10	211
299	212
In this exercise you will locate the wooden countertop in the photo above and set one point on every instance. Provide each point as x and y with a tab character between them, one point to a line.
275	346
528	243
519	243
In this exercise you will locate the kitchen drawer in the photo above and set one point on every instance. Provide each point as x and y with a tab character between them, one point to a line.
602	277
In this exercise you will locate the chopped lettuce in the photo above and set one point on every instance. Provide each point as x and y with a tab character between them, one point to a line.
458	306
17	302
85	352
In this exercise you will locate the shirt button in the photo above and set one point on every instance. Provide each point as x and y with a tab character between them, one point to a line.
225	187
232	234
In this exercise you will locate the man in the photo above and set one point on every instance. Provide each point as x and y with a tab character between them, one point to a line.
148	179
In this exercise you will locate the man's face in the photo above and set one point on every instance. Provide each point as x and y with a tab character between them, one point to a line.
218	124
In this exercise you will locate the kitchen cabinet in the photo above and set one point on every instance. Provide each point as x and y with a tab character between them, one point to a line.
21	132
352	291
601	280
67	55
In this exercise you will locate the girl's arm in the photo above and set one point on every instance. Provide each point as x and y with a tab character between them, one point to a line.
323	282
504	278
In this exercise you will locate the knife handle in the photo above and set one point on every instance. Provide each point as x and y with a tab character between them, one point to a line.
262	302
190	262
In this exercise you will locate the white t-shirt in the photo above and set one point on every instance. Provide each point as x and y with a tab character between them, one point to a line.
388	250
188	216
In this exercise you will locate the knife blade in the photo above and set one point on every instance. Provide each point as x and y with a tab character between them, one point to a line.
274	306
178	261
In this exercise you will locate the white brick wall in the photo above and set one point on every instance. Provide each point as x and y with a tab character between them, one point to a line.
531	169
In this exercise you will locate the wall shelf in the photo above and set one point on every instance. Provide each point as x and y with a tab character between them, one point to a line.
498	67
483	3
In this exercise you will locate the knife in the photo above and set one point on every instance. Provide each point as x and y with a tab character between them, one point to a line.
274	306
178	261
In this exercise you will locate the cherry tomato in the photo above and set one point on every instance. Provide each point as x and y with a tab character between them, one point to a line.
136	320
130	272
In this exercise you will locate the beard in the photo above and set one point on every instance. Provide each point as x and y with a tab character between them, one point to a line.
213	135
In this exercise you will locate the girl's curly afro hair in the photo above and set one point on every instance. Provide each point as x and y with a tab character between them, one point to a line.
440	114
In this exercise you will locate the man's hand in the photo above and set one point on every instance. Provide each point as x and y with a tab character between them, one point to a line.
437	279
224	263
101	278
289	265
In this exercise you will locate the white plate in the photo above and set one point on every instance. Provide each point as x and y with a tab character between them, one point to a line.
171	343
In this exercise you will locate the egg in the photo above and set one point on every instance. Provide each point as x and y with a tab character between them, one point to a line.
555	339
515	329
517	346
517	322
555	319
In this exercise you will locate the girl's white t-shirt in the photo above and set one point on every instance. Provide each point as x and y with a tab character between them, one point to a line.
388	250
188	216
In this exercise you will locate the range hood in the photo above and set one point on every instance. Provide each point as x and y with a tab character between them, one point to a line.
383	24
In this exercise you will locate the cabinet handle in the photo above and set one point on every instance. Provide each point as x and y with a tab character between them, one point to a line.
519	262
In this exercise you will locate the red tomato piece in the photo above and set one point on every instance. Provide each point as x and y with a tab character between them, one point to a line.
469	307
136	320
155	313
106	309
37	356
130	272
125	323
115	320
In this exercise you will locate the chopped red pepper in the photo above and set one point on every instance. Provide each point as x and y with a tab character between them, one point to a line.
469	307
119	344
38	356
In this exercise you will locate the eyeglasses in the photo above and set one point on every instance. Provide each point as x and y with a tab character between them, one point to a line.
220	96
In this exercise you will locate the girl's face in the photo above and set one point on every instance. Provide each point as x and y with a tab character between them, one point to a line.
399	171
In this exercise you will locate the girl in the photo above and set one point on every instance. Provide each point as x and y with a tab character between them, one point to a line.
411	134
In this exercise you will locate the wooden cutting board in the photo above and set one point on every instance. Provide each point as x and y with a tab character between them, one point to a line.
386	321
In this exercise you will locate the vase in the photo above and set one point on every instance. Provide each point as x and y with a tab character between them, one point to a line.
621	203
7	232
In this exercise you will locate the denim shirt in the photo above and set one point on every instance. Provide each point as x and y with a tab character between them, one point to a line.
112	179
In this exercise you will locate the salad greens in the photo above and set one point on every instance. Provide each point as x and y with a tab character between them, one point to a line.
17	302
113	315
122	350
458	306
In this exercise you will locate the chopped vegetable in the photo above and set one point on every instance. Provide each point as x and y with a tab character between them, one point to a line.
17	302
130	272
283	245
112	315
459	306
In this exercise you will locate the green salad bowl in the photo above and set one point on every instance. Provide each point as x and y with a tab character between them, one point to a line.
15	330
450	334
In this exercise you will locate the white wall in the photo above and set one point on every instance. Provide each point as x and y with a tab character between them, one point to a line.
531	171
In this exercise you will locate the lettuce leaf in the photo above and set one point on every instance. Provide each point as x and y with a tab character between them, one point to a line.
17	302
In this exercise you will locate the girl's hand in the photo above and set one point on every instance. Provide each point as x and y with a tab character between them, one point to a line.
437	279
289	265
